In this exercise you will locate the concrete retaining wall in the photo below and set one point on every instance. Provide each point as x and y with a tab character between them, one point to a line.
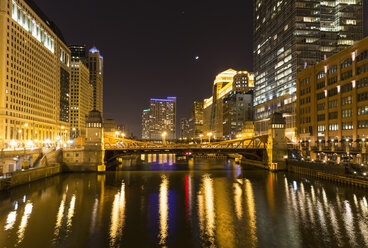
27	176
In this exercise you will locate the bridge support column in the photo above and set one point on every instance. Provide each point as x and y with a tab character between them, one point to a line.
277	149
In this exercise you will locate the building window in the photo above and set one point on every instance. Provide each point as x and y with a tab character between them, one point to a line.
333	104
321	96
321	128
332	92
346	75
332	80
321	117
363	110
363	124
346	100
362	83
345	113
347	126
333	127
332	69
320	106
346	63
363	55
332	115
363	96
362	69
320	75
346	88
321	85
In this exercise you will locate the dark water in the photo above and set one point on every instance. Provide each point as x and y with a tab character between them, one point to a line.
221	205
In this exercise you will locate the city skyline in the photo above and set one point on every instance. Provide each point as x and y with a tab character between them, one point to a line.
154	51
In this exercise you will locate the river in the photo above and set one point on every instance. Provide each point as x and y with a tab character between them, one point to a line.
162	201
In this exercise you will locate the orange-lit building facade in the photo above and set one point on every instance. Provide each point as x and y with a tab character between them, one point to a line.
332	98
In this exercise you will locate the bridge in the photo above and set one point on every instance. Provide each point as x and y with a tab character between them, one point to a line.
96	149
252	147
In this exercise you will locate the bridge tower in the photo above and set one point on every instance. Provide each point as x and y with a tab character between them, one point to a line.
94	144
277	150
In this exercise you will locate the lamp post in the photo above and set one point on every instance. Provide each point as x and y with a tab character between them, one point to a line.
209	137
201	136
163	135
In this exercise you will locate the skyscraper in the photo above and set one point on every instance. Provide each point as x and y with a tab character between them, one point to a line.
34	76
81	98
95	66
196	120
291	35
159	118
226	83
146	124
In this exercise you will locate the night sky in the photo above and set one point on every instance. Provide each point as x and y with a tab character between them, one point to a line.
150	47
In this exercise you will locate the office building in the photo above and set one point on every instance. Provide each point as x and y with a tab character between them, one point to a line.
34	77
290	36
79	52
81	93
333	98
225	84
184	129
237	111
146	124
159	118
195	121
95	66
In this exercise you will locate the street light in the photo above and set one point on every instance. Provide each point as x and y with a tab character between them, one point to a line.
209	137
201	136
163	137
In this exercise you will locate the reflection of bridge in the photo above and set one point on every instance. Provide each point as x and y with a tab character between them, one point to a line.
253	147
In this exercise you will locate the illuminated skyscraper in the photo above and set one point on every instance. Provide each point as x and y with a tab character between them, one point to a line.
289	36
95	66
196	120
226	83
34	77
81	98
146	124
159	118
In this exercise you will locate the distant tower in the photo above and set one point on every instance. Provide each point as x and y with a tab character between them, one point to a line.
95	66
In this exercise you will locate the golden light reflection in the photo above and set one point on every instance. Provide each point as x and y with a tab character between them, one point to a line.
117	216
238	200
206	209
164	210
349	224
71	211
251	213
23	224
12	216
59	217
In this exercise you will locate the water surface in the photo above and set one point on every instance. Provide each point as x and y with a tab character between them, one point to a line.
195	203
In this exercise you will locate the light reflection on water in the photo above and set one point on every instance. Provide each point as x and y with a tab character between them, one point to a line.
226	207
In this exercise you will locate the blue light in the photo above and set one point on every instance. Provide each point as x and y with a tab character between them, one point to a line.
161	100
94	50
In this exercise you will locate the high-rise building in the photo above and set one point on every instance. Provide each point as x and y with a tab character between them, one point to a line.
227	82
159	118
196	120
81	93
95	66
184	128
34	77
238	110
78	52
146	123
290	35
